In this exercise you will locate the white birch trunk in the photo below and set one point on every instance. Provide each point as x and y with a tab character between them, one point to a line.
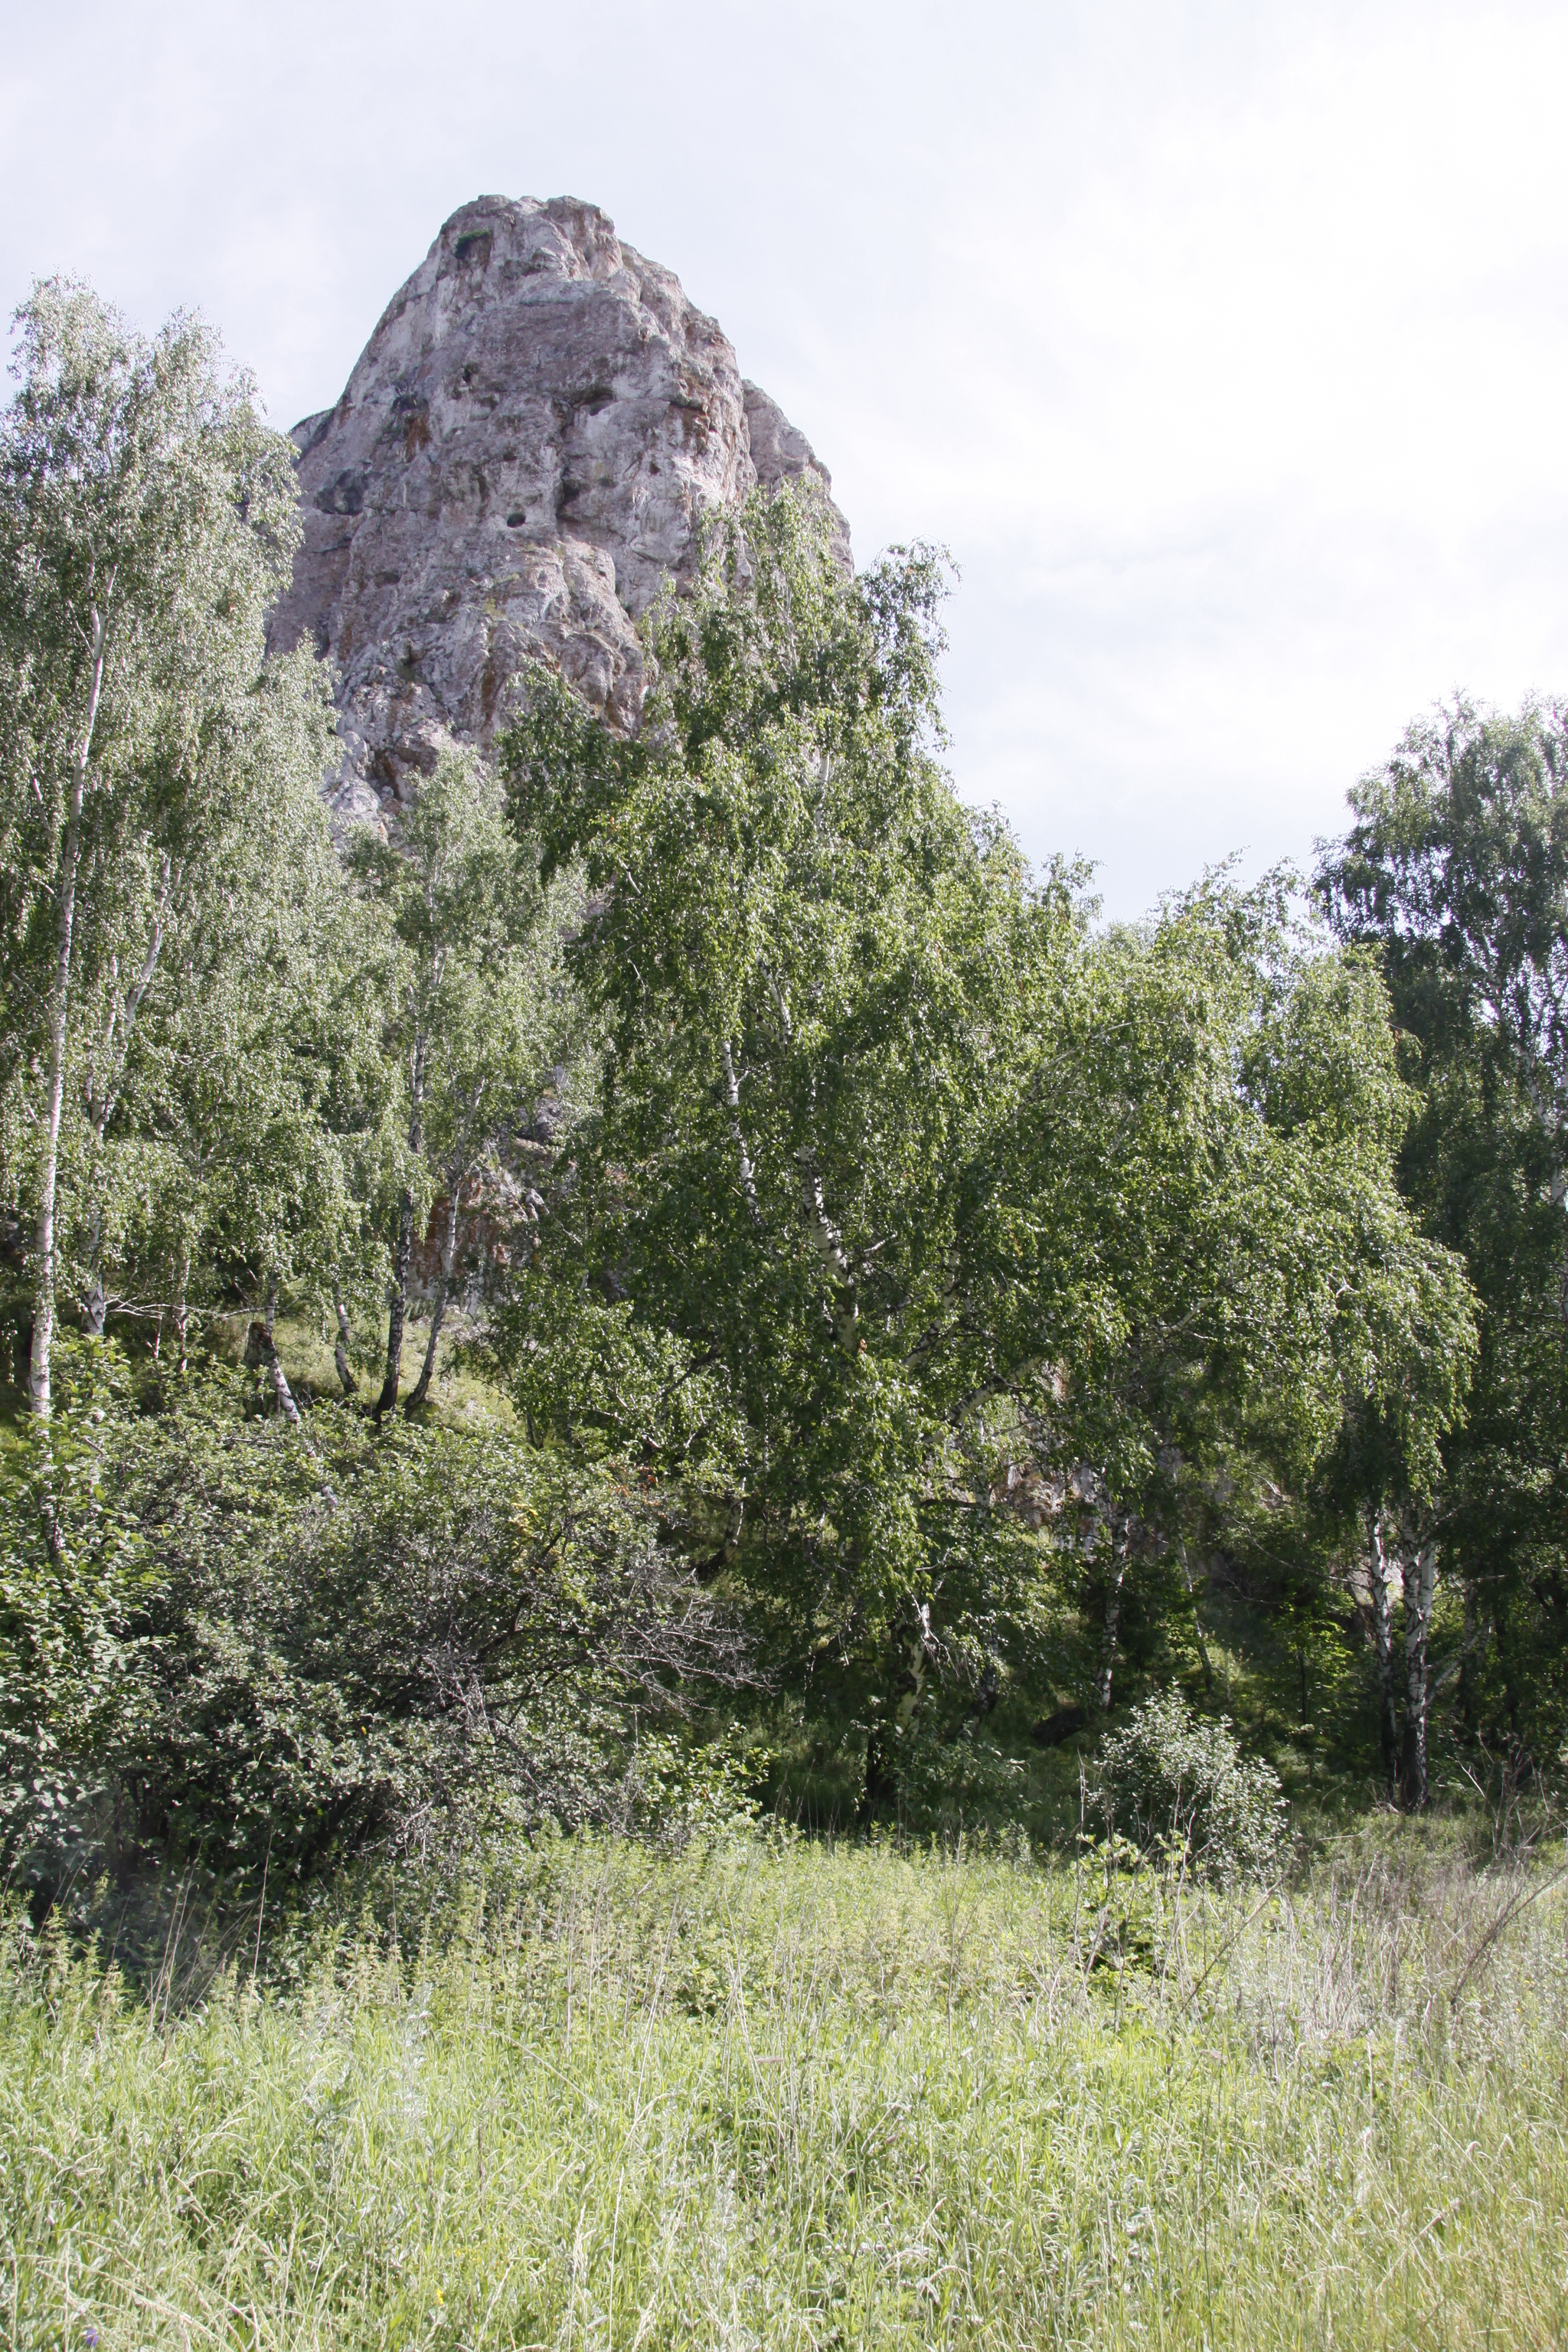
421	1388
262	1349
397	1295
344	1342
732	1097
1420	1596
1381	1575
40	1391
1120	1542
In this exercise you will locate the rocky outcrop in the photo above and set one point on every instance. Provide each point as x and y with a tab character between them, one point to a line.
520	461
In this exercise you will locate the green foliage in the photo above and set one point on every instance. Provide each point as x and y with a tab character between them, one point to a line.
479	1019
67	1656
1455	875
256	1655
222	1164
900	1178
785	2093
1180	1788
1192	1203
168	888
965	1300
806	958
955	1778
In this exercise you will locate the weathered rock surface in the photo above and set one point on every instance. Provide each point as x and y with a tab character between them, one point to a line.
520	461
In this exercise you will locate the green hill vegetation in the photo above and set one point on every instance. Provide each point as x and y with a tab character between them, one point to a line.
752	1590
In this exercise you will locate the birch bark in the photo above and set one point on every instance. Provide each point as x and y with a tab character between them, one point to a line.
1121	1543
1420	1594
421	1389
397	1290
1381	1574
40	1390
732	1097
344	1342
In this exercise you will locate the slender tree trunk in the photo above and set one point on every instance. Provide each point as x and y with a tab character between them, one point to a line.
1204	1658
881	1746
732	1097
1120	1540
1420	1593
844	1304
397	1305
39	1370
421	1389
182	1311
96	1303
269	1313
1381	1579
101	1099
881	1780
260	1350
397	1291
344	1342
923	1649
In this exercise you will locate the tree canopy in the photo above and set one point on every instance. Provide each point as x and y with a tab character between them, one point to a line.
899	1308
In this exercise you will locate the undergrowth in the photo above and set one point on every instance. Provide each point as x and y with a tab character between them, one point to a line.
774	2094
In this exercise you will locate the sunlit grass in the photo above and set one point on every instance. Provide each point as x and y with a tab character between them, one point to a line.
783	2095
460	1397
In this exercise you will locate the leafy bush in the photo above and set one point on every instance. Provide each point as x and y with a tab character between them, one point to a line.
951	1779
260	1652
1174	1784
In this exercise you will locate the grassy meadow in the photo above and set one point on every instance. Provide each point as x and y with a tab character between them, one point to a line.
772	2093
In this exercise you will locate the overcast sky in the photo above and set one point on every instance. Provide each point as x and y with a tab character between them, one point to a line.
1225	347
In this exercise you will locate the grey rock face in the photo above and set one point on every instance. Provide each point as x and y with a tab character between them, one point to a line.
520	461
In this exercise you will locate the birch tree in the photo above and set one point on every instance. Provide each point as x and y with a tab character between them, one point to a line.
1454	874
897	1170
146	524
477	1015
807	955
1192	1207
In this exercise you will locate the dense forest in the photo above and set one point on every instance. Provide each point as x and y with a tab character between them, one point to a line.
687	1278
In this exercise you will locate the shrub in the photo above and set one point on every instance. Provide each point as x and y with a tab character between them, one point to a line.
955	1778
1174	1784
258	1652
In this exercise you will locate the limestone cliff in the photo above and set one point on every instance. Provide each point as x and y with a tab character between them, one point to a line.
520	458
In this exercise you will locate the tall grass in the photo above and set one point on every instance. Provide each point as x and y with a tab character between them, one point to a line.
782	2095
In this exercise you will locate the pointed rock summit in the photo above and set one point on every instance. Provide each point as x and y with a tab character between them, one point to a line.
520	461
